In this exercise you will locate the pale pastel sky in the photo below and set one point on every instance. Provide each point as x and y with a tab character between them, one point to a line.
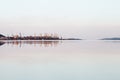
87	19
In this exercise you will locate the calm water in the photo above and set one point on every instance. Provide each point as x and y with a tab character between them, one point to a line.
60	60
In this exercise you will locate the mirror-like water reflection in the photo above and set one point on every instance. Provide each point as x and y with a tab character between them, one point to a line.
68	60
49	43
2	43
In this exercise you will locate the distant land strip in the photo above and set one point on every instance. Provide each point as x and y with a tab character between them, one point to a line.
40	37
115	38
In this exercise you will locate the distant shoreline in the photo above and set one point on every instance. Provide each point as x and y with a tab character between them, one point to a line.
110	38
40	37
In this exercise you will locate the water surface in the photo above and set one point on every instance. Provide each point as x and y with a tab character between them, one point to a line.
60	60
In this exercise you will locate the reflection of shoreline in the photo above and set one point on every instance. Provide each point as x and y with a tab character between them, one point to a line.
19	43
2	43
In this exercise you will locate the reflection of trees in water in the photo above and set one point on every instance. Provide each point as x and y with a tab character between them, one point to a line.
1	43
41	43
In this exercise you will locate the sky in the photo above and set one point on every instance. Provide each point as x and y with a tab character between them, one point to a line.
86	19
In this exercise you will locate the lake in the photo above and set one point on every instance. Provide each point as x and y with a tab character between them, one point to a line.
60	60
